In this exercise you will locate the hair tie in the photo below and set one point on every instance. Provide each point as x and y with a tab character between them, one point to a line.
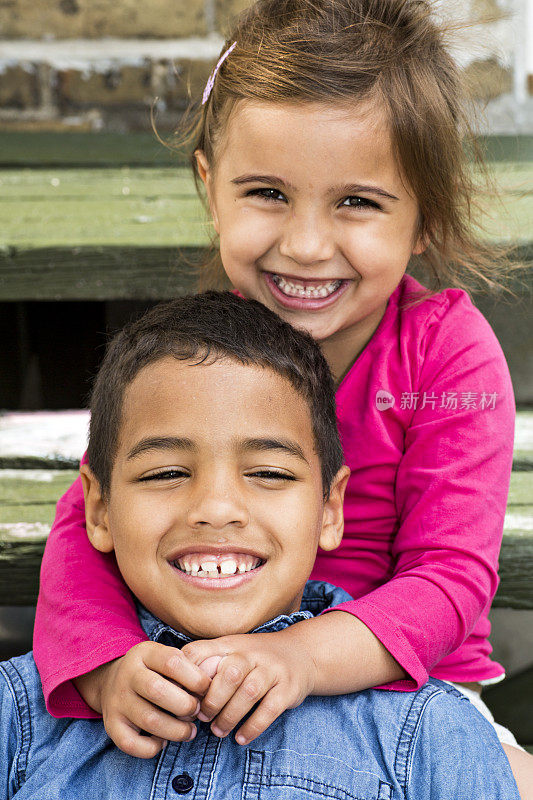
211	80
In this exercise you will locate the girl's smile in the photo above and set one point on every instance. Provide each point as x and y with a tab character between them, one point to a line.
314	218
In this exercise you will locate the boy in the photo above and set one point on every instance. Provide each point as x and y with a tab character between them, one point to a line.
214	473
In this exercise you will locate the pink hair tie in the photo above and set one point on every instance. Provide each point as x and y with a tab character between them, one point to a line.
211	80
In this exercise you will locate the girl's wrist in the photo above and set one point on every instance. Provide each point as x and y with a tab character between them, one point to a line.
90	685
343	654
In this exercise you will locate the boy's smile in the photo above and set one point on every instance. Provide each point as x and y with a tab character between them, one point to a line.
314	218
216	503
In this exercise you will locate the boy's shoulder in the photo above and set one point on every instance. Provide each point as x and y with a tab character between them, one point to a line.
28	732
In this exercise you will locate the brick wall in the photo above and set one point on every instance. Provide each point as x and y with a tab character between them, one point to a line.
100	64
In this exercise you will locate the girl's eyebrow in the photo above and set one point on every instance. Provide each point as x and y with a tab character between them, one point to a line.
345	189
252	178
362	188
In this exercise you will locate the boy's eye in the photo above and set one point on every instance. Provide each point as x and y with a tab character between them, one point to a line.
355	201
267	194
271	475
165	475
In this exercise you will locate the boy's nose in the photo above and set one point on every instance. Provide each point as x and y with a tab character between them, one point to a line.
217	505
307	239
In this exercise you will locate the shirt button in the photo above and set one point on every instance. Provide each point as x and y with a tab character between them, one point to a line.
182	783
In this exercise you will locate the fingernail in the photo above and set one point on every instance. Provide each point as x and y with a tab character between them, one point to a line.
218	731
202	717
197	709
240	739
193	734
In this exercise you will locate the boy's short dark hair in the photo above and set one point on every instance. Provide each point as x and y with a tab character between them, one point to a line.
204	328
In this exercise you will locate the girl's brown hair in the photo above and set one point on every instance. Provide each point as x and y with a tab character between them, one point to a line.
347	52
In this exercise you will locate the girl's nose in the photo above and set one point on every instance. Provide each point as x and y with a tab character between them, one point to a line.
307	239
217	504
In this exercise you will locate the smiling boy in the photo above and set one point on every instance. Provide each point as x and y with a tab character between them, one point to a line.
214	472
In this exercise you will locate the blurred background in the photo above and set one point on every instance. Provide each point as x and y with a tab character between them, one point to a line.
99	220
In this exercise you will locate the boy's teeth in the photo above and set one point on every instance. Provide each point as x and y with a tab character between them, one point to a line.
294	289
228	567
224	566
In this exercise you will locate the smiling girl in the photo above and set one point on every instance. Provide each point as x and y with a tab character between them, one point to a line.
330	144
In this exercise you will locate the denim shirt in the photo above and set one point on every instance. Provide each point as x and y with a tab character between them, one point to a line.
371	745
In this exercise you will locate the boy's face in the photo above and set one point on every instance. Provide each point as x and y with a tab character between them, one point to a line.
216	466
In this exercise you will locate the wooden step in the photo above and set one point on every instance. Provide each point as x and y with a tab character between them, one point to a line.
129	232
27	507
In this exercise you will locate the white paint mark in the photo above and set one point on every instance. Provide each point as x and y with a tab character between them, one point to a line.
44	434
25	529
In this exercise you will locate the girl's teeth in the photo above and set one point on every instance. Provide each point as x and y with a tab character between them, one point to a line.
309	292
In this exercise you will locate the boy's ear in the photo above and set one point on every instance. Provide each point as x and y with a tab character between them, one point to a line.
96	517
333	519
204	171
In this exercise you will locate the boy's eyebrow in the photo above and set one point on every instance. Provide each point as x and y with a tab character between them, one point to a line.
345	189
160	443
285	445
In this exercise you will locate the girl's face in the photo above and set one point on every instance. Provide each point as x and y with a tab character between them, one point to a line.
314	218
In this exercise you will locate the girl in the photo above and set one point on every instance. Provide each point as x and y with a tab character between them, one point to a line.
329	142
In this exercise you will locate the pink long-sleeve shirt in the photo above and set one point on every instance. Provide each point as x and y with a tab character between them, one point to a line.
426	415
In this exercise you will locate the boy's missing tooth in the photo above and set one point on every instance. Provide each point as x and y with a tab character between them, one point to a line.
214	472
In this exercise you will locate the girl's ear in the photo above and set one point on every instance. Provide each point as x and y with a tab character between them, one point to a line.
333	518
96	517
204	171
420	245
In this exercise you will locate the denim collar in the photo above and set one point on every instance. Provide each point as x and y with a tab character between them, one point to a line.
317	597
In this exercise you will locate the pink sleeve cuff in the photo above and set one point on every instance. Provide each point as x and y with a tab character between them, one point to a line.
62	697
391	637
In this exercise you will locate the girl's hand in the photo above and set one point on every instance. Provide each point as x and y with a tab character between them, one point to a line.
271	670
154	689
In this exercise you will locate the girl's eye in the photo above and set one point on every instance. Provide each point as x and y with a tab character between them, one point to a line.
165	475
355	201
271	475
266	194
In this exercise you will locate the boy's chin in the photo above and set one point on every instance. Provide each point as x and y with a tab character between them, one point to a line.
210	628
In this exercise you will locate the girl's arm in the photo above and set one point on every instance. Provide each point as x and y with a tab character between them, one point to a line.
85	613
451	493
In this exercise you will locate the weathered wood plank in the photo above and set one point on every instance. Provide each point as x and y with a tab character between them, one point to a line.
75	149
98	207
27	507
83	149
21	552
142	207
523	441
49	439
98	273
57	439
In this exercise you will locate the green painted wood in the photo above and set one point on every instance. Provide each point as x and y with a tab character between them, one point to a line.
49	149
128	233
27	508
69	148
98	273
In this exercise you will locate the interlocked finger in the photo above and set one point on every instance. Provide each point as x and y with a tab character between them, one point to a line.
165	693
269	709
152	720
250	692
232	672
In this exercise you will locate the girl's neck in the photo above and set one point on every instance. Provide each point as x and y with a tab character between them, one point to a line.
343	348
